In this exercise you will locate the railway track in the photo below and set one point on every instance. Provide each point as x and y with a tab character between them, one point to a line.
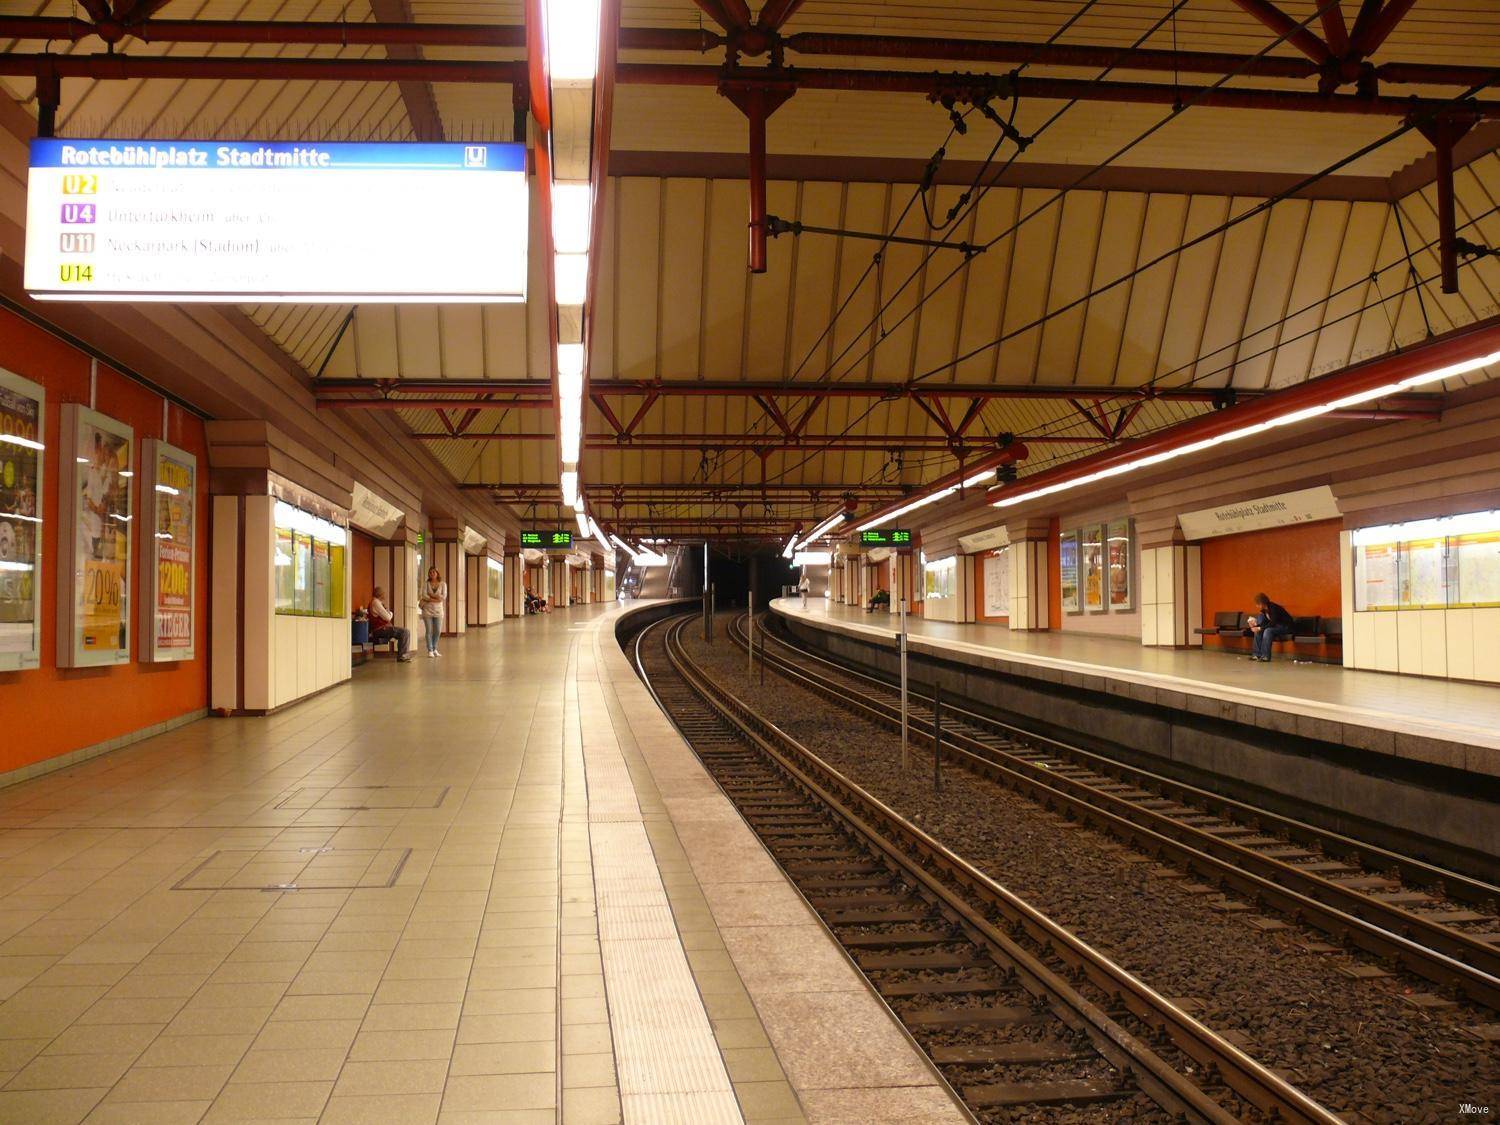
1436	924
1019	1016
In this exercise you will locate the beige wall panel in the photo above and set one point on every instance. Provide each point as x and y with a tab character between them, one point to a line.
1359	640
1358	256
685	203
937	334
864	209
988	283
1230	301
1316	266
1409	641
1198	271
260	603
376	345
1285	230
306	656
284	650
765	336
1031	272
224	598
1346	599
910	266
724	283
815	294
419	337
1459	641
1078	239
1433	626
461	329
1150	291
1123	223
637	241
1487	645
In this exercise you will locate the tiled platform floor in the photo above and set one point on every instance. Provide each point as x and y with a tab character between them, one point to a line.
518	898
1466	715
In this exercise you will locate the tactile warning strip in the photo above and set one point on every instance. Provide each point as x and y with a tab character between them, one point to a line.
664	1043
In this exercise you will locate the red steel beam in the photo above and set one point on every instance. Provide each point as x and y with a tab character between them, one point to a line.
1054	89
63	30
1367	39
692	443
329	389
114	67
1290	30
1471	342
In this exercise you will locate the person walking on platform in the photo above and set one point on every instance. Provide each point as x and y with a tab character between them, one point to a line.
1270	624
383	626
434	598
804	586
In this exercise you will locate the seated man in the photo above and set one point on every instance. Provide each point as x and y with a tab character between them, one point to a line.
1270	624
383	626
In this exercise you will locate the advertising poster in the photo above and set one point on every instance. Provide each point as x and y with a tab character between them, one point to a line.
169	507
1426	575
1093	569
1377	587
1119	558
94	602
997	583
495	575
1478	569
21	448
1067	569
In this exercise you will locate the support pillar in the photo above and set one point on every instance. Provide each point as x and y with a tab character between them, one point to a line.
1030	576
1171	595
1444	132
514	599
450	557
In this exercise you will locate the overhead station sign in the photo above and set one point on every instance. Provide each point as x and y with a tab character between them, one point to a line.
547	540
886	537
264	223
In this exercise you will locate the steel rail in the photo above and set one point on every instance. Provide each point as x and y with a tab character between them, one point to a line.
920	856
1439	953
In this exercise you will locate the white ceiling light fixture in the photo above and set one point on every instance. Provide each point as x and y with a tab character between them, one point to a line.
826	526
572	42
572	216
790	548
570	361
570	438
570	278
569	486
812	558
583	526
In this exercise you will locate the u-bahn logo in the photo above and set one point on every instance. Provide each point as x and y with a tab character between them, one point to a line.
475	156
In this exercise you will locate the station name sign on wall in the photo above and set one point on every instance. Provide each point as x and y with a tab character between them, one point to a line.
265	223
1307	505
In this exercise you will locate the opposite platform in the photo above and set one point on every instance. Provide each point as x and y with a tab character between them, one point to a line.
517	897
1441	722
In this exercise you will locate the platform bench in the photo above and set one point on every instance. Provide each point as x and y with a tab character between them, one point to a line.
1314	639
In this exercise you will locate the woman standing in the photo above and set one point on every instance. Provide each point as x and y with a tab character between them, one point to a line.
434	597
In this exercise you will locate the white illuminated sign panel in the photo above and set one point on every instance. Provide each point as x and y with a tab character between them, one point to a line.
260	223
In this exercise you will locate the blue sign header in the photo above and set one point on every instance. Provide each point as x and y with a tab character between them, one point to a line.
52	152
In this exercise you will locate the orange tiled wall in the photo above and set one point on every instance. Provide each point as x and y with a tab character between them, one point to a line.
362	576
48	711
1297	566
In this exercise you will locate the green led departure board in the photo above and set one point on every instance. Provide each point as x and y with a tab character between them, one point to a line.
886	537
548	540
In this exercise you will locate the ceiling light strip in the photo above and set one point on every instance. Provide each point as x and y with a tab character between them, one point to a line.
1423	365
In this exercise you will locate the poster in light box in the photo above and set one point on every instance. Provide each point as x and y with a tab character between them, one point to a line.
22	413
94	596
169	502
